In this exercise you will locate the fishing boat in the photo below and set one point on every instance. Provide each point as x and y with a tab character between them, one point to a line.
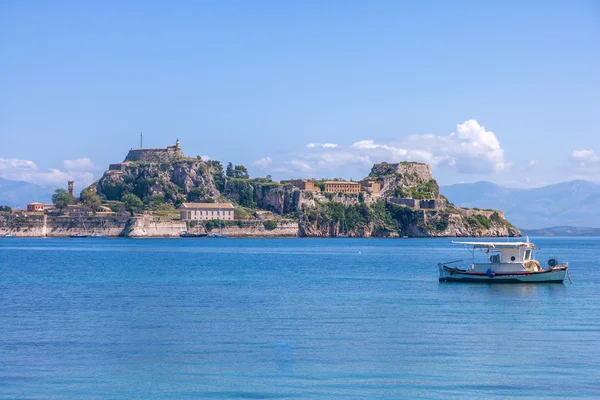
504	262
185	234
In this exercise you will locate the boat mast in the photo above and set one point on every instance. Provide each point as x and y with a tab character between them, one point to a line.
219	217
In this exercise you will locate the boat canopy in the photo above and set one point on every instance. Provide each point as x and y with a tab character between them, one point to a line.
496	245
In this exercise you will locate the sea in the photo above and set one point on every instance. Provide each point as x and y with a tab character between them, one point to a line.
216	318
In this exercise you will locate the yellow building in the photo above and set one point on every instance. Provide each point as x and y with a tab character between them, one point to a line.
342	187
206	211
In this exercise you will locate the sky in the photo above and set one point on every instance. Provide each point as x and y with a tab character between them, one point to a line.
502	91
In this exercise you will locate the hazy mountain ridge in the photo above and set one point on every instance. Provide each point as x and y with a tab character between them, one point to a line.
563	231
574	203
17	194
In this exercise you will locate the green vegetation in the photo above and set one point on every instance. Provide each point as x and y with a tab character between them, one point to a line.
399	192
91	200
496	217
199	194
384	217
61	199
270	225
382	170
212	224
478	221
419	191
5	209
426	190
320	185
245	191
239	171
132	203
242	213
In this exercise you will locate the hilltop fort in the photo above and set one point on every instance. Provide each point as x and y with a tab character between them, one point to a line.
166	155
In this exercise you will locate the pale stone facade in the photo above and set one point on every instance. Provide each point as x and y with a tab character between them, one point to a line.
342	187
370	186
303	184
206	211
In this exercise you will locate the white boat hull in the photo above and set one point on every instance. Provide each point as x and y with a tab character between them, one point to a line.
554	275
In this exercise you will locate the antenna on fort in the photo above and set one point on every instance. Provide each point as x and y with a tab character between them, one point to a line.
141	140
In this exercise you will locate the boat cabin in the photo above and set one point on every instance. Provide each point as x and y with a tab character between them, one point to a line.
501	255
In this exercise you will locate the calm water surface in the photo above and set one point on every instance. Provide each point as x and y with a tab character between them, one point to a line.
288	318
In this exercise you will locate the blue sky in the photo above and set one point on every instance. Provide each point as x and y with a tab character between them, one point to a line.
502	91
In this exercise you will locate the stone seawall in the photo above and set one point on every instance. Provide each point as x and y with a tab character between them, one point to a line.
112	226
148	226
99	226
249	228
257	229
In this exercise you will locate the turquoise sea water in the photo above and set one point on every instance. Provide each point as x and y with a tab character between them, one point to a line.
288	318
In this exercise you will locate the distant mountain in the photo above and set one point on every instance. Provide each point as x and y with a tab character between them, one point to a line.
575	203
17	194
562	231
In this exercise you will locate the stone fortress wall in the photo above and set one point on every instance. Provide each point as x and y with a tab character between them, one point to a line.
428	204
420	171
168	154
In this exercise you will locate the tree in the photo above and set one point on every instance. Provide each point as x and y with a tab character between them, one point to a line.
270	225
5	209
91	200
132	203
240	172
61	198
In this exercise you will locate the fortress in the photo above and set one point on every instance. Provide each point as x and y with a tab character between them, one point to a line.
156	155
169	154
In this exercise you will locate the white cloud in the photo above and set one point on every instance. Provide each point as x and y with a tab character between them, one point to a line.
470	149
80	163
28	171
323	145
584	158
263	162
532	163
301	165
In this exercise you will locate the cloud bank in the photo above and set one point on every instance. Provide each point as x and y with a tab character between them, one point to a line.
471	149
28	171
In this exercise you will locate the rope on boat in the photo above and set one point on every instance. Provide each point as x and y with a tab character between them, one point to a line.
569	276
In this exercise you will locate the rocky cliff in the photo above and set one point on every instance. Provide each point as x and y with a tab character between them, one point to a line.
384	219
181	180
405	179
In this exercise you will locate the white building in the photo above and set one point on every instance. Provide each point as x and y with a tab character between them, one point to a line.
206	211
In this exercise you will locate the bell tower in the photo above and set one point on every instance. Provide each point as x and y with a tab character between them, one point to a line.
70	187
